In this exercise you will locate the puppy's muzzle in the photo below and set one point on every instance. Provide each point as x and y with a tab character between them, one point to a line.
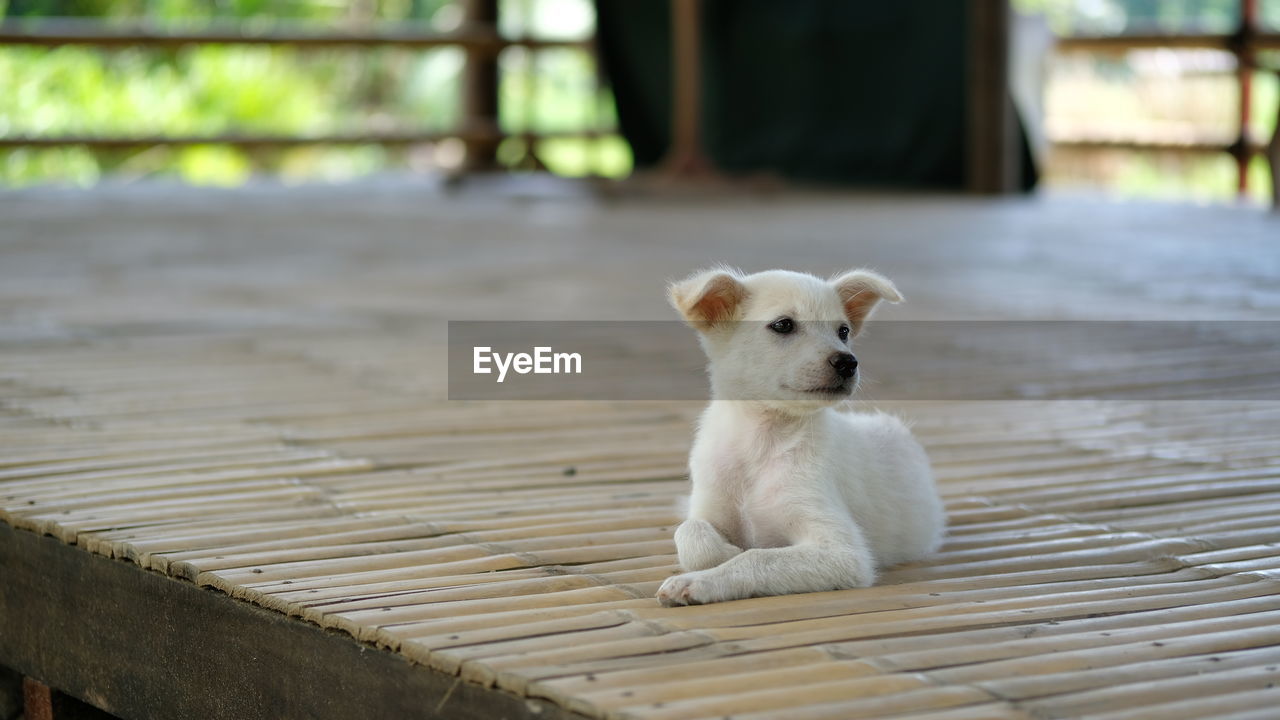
845	364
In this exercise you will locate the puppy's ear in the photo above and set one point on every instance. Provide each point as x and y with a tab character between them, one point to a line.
707	298
860	291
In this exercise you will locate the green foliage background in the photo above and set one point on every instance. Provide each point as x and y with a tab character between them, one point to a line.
281	91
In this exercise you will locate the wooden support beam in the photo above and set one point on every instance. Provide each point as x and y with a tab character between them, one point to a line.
1245	64
1273	158
991	145
480	88
686	158
37	700
142	645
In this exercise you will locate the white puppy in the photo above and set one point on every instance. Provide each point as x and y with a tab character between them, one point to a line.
790	495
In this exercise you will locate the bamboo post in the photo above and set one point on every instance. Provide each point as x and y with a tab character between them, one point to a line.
1242	47
480	88
992	157
1273	158
686	159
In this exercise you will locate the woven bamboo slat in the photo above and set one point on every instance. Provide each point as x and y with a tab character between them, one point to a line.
284	437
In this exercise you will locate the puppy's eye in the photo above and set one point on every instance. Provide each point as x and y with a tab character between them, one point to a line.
782	326
844	333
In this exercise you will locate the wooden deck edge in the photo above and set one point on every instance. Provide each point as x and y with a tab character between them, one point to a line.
139	644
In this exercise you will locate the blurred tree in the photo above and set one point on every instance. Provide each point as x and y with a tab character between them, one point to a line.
275	90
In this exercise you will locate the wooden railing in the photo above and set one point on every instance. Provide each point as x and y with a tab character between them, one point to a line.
478	37
1244	43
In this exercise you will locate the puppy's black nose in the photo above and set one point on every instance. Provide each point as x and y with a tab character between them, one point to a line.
844	363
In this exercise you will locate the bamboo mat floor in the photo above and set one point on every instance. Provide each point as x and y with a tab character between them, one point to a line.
245	392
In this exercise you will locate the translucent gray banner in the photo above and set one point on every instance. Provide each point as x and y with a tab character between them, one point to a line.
897	360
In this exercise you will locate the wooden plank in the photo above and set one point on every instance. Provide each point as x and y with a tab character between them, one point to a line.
128	647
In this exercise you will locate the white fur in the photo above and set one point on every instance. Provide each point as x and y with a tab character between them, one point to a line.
789	494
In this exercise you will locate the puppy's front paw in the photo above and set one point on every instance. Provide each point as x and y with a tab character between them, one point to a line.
701	546
679	590
693	588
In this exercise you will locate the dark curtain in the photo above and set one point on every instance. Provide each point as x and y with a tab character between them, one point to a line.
829	91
